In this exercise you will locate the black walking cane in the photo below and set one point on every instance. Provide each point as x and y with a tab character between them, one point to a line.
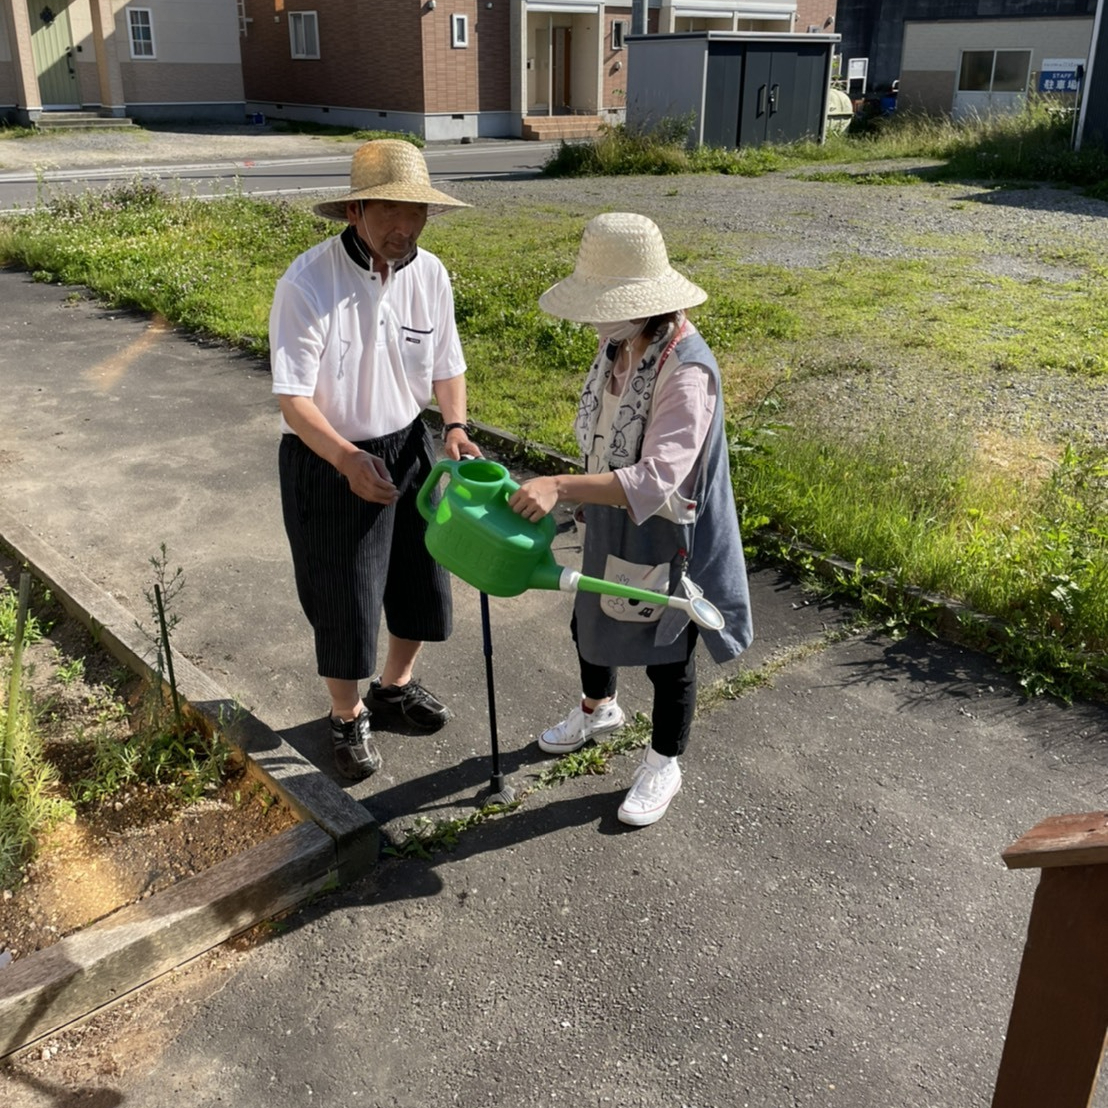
500	792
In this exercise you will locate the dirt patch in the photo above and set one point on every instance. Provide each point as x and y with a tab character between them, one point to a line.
129	845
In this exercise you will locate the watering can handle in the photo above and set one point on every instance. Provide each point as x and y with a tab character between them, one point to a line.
423	497
447	465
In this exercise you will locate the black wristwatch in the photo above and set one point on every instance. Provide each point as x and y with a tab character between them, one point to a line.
448	427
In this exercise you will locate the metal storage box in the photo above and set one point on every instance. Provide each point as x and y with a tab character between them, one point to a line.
739	88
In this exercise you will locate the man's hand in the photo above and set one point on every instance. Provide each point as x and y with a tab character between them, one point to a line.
535	498
457	445
368	478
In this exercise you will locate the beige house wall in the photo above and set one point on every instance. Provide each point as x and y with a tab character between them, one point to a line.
17	84
196	57
205	31
933	50
777	16
585	68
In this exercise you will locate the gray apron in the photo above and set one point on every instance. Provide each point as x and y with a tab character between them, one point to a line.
709	550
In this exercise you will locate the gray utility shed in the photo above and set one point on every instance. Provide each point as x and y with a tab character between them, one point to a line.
740	88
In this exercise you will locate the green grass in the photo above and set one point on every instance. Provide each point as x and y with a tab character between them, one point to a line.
9	618
343	134
914	497
914	503
845	177
209	267
34	805
1031	146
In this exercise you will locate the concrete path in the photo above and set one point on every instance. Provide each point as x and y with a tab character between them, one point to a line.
821	919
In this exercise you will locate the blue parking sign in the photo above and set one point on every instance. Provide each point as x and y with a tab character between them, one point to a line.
1061	74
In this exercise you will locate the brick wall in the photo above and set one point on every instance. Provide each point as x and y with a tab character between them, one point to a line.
815	13
168	83
366	60
450	73
614	62
494	61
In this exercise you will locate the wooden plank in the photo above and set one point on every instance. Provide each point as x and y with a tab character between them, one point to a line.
1056	1032
279	765
45	991
1078	839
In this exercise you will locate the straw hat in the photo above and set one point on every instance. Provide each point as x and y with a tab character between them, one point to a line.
388	169
622	272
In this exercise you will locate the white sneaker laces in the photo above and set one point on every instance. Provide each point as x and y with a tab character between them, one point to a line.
652	782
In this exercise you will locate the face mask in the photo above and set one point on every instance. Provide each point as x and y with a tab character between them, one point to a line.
620	331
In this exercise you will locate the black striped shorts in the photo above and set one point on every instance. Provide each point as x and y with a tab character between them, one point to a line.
353	559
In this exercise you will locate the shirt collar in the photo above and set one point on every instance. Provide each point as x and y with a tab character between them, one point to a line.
350	241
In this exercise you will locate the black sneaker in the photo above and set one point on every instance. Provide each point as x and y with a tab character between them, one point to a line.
355	756
410	702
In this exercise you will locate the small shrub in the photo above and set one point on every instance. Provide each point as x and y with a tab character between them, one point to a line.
9	612
620	151
33	804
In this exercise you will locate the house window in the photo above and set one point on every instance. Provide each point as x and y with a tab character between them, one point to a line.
994	70
304	34
459	30
140	24
619	32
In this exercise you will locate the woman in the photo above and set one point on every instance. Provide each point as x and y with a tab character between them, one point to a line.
656	493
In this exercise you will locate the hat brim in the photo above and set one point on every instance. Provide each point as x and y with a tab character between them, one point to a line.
435	200
584	301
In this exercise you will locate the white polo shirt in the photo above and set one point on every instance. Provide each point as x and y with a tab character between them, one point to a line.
366	353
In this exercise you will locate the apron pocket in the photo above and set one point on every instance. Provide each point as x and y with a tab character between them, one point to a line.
652	578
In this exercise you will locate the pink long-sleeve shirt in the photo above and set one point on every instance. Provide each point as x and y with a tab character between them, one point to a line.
680	416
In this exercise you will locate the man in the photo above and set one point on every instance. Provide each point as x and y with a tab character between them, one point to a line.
362	335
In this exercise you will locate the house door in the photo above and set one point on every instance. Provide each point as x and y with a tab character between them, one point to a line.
52	49
561	72
991	82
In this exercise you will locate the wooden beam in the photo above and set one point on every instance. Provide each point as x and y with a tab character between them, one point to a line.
1080	839
1056	1033
83	972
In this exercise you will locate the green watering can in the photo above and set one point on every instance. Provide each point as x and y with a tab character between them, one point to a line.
475	534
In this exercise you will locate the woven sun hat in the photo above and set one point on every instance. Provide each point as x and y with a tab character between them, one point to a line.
622	272
388	169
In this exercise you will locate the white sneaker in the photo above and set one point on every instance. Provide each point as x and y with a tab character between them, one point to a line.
656	783
580	726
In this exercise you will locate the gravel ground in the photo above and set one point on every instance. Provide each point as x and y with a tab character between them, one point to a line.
779	219
160	146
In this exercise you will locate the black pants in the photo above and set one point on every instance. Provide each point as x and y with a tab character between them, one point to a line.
674	694
354	559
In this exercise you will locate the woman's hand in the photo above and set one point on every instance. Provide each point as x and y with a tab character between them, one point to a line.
535	498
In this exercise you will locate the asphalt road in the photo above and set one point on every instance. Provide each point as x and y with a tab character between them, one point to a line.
19	189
